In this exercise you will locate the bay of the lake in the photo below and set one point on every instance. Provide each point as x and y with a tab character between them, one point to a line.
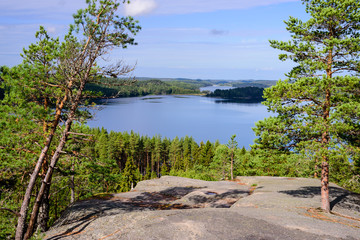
170	116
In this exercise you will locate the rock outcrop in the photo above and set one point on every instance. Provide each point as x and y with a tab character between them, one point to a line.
181	208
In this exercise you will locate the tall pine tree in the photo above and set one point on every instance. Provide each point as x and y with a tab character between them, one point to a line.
318	102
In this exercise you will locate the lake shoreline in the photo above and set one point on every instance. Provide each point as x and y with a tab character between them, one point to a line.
175	116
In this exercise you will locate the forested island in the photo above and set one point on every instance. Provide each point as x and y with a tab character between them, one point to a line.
240	94
50	158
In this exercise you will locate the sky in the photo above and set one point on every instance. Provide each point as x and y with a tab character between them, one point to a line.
198	39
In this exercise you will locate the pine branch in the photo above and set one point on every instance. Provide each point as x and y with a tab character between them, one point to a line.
10	210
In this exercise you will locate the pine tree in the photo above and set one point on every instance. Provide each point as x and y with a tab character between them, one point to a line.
76	65
232	147
318	103
130	176
174	154
157	156
186	148
220	163
206	153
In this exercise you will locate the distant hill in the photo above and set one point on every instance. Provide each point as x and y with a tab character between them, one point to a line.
222	82
254	83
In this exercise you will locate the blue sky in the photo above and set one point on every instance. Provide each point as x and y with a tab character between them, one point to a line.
206	39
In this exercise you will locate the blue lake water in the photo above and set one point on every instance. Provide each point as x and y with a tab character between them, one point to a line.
170	116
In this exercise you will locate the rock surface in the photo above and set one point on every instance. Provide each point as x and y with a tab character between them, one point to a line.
181	208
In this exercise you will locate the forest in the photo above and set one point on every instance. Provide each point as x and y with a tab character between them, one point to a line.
240	94
49	158
107	162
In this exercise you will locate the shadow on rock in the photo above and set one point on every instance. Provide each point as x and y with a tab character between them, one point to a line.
338	197
214	200
73	230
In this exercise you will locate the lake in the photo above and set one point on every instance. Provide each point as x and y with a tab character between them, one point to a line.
170	116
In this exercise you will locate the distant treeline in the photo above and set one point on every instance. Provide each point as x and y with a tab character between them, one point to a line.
168	86
254	83
241	94
148	87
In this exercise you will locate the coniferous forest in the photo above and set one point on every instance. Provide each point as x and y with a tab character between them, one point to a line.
96	162
49	158
240	94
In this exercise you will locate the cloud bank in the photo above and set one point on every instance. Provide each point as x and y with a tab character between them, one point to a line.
139	7
135	8
196	6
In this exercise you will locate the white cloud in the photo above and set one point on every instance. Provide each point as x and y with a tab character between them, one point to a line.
140	7
51	29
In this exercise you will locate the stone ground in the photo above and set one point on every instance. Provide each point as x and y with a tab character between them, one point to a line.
181	208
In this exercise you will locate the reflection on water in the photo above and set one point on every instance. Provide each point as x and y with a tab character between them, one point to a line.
200	117
151	98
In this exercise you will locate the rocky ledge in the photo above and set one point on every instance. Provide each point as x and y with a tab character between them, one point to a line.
181	208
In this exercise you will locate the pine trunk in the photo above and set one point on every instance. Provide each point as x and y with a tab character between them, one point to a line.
325	203
232	166
48	176
46	181
43	216
158	168
20	229
72	186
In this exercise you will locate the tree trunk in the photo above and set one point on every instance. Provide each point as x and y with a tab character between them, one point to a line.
43	216
232	166
54	160
325	203
158	168
72	185
20	229
48	176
